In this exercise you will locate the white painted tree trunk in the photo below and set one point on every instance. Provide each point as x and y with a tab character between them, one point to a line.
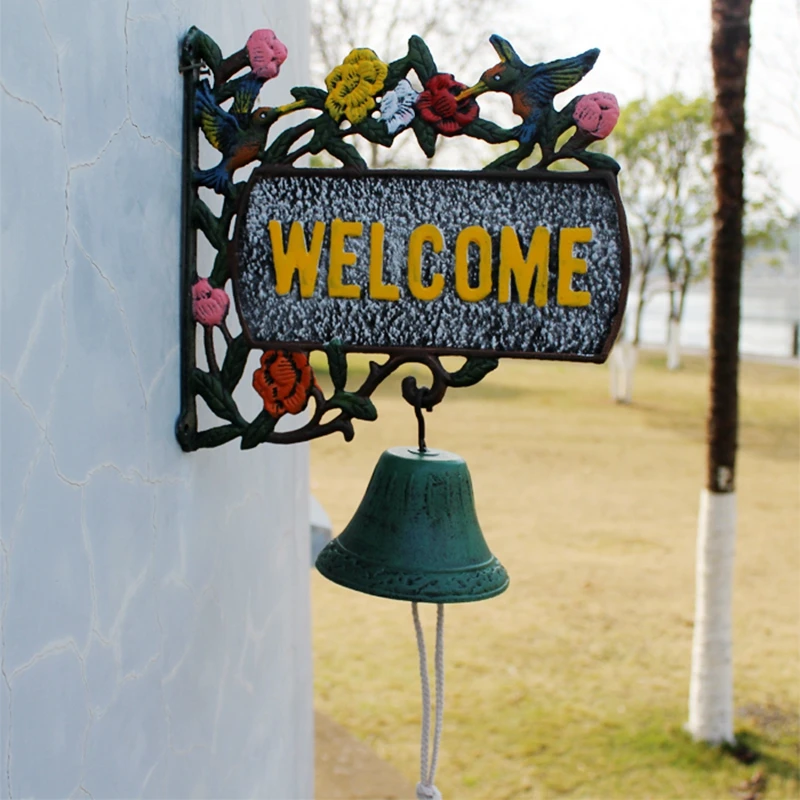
622	366
674	344
711	684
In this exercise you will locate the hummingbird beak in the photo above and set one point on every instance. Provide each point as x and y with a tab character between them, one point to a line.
290	107
479	88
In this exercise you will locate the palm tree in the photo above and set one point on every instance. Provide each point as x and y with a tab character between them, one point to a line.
711	686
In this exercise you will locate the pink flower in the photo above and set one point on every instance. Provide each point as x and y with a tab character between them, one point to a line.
266	52
596	114
209	306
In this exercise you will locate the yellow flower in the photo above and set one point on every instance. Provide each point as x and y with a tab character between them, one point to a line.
352	85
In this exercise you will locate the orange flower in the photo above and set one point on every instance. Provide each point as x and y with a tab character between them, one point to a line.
284	381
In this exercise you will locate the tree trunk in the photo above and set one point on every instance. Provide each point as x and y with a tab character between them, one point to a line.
622	369
673	342
640	303
674	324
711	688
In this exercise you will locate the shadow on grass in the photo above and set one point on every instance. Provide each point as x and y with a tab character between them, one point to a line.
775	756
754	748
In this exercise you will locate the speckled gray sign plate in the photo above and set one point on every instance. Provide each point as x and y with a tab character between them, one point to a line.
403	200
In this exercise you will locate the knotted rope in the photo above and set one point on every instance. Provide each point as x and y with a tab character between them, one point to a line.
425	788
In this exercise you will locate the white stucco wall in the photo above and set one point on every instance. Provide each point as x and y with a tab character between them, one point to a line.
155	607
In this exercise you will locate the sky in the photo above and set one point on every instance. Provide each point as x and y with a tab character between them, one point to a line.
650	48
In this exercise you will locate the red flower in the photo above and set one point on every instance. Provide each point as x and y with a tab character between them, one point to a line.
284	381
438	106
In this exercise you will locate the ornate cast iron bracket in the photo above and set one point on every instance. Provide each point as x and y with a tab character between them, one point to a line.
220	97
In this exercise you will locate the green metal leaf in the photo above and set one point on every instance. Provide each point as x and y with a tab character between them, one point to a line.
355	405
512	159
473	371
204	220
198	44
421	59
217	397
235	361
397	71
345	152
374	130
337	364
597	161
488	131
214	437
426	136
219	274
258	431
314	97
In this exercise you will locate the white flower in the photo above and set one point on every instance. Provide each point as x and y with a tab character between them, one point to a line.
397	106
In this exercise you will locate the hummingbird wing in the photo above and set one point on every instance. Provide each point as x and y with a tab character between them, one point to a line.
547	80
220	128
245	94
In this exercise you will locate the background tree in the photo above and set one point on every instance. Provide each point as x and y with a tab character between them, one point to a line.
664	148
711	684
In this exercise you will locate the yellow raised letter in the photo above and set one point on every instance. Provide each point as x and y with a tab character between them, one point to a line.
568	265
341	258
523	269
378	290
296	257
474	234
420	235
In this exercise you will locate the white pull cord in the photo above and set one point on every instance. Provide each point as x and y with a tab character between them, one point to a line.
425	788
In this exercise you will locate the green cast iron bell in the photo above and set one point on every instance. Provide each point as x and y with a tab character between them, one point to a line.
415	535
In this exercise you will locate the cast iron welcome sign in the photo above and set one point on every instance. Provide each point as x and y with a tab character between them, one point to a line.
503	261
468	263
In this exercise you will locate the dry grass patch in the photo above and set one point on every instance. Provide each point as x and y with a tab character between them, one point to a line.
575	681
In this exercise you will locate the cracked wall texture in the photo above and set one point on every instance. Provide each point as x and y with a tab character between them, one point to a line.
155	613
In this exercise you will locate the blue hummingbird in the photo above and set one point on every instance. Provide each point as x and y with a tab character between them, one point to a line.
531	87
239	134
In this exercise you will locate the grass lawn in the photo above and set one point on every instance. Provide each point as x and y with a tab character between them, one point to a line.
575	681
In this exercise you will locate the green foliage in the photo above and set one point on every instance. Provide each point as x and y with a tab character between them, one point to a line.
337	364
426	136
235	361
346	153
258	431
597	161
419	56
355	405
314	97
199	45
665	148
217	397
473	371
373	130
214	437
488	131
219	274
211	226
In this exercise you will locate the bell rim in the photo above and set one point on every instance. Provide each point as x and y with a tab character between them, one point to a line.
465	582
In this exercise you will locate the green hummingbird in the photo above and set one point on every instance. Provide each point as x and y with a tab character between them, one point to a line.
531	87
239	134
